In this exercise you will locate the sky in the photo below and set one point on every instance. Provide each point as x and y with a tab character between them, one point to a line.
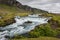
52	6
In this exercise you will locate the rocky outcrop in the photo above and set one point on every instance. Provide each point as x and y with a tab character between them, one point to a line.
9	2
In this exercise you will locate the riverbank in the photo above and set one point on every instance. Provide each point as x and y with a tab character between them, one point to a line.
39	38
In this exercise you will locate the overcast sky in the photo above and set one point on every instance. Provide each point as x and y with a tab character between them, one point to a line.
48	5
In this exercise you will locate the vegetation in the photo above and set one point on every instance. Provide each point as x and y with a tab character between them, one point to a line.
43	30
39	38
55	21
7	14
52	29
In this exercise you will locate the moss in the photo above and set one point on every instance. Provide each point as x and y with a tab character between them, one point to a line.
9	12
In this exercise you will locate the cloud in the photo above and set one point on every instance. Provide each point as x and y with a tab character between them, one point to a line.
48	5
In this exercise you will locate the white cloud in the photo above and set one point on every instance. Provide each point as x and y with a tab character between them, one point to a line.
48	5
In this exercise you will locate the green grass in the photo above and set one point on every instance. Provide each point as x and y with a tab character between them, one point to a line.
40	38
9	12
54	16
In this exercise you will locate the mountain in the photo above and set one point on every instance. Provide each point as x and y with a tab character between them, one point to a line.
52	6
19	5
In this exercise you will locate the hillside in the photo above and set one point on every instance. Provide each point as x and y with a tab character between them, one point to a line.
11	8
20	6
7	13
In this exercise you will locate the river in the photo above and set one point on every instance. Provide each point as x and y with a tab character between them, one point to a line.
22	25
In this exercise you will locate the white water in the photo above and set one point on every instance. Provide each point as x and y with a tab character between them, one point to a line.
20	27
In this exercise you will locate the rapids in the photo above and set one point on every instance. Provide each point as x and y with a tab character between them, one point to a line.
22	25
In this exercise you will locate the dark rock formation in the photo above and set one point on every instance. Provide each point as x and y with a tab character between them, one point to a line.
9	2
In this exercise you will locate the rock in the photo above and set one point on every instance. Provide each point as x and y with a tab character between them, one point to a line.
9	2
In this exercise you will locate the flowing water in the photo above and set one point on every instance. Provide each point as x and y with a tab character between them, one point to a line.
21	26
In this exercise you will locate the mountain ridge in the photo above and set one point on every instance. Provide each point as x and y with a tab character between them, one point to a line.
19	5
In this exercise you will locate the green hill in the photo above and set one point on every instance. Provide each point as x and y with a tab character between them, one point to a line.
7	13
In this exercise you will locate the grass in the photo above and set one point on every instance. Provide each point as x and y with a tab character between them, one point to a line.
9	12
40	38
54	16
